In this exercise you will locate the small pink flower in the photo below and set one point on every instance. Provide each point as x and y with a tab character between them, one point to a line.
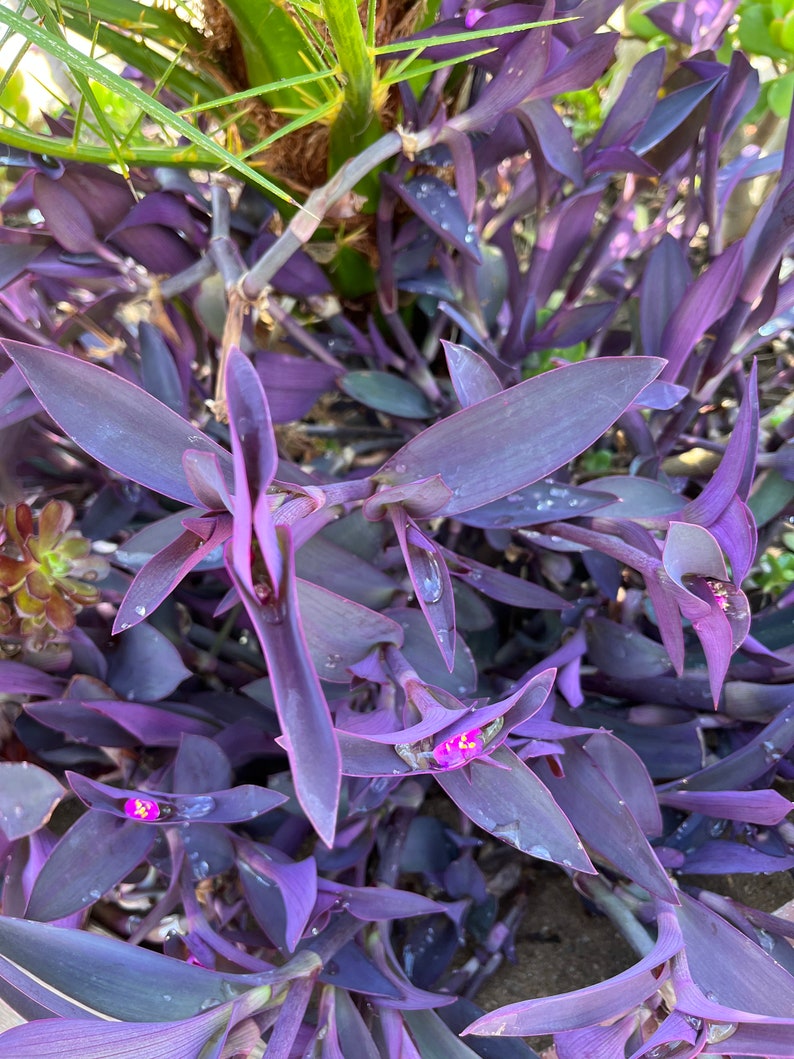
459	749
141	809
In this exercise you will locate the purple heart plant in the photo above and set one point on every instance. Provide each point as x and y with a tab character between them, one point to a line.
318	583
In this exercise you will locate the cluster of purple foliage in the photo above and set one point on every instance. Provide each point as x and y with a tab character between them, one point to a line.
242	741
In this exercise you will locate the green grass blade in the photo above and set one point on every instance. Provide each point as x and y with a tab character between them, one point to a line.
473	35
76	61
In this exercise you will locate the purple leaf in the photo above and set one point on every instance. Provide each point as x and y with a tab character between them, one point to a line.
333	567
537	504
497	584
296	882
160	725
579	69
340	633
373	903
512	804
472	377
255	460
748	762
771	1042
387	393
79	722
96	853
16	678
706	300
523	66
604	820
65	216
735	473
663	288
114	421
307	732
743	985
421	651
431	582
157	579
145	665
627	774
670	112
756	807
728	858
201	1037
231	806
159	372
28	796
438	205
292	384
200	766
559	239
596	1004
635	103
512	439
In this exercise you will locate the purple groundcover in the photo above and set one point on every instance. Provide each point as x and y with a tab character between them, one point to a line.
284	573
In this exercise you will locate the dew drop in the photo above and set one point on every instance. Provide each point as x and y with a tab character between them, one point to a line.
140	610
332	661
18	811
430	585
167	997
195	808
124	626
720	1031
771	752
509	832
201	869
540	852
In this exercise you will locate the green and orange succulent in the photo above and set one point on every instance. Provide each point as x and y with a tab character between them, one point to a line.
47	572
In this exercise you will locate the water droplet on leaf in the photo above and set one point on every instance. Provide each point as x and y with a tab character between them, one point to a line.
195	808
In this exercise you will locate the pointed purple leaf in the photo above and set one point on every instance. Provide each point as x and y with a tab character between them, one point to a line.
65	216
745	982
114	421
471	376
431	582
579	69
340	633
160	725
664	285
514	805
635	103
255	459
231	806
627	774
307	731
438	205
512	439
756	807
200	766
157	579
523	66
735	473
96	853
604	820
707	299
145	666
